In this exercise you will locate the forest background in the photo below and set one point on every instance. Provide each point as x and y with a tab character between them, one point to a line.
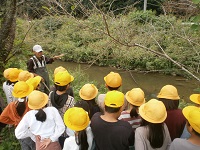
161	37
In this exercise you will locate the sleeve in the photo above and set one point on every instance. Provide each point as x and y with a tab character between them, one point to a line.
30	66
59	128
139	140
5	117
22	130
49	60
89	136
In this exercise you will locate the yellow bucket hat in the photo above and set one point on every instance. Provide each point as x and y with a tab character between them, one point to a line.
13	74
76	118
22	89
6	73
59	69
169	92
153	111
25	75
63	78
88	92
135	97
192	114
113	79
37	99
195	98
34	81
114	99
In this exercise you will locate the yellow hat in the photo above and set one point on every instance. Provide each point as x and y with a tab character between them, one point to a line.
34	81
153	111
22	89
192	114
113	79
13	74
76	118
63	78
114	99
88	92
6	73
135	97
195	98
168	92
37	99
25	75
58	69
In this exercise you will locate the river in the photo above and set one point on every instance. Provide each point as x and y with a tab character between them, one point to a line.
151	83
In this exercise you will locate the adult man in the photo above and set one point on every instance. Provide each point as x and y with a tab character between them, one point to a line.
37	66
109	132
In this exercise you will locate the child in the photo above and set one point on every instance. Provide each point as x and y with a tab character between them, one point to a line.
113	81
15	110
153	133
88	93
135	98
192	114
78	120
43	124
11	75
169	96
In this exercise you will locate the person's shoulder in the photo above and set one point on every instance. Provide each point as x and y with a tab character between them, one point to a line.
125	124
51	109
179	140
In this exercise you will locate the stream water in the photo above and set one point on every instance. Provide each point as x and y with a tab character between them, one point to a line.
151	83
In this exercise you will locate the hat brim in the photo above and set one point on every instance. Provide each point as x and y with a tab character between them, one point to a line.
67	116
187	110
145	117
38	50
169	97
195	98
46	98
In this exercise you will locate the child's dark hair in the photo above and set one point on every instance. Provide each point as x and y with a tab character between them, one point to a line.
133	112
21	107
170	104
156	133
41	115
81	140
61	88
111	109
113	88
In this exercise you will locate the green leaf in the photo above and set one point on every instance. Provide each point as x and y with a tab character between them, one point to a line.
196	18
46	8
196	1
72	7
195	27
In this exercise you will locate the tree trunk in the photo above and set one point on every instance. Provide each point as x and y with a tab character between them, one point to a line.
7	30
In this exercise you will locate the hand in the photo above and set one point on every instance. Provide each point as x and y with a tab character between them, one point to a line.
44	143
58	57
37	137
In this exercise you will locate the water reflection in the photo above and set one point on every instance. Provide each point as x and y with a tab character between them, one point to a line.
151	83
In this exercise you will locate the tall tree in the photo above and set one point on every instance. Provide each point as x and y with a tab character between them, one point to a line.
7	29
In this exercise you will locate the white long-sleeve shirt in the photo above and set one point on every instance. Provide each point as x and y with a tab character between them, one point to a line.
53	127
